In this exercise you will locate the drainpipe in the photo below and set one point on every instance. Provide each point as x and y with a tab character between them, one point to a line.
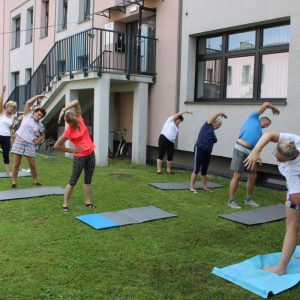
180	4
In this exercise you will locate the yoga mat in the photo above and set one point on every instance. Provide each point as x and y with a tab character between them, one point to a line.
31	193
184	185
248	274
257	216
126	216
21	174
97	221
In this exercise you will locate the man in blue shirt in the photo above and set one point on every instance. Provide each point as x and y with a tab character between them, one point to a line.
249	136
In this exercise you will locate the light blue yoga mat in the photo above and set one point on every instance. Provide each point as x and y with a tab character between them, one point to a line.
248	274
97	221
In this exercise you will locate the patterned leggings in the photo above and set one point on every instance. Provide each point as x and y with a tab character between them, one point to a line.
83	162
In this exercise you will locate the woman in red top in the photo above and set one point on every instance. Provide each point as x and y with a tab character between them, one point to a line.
83	151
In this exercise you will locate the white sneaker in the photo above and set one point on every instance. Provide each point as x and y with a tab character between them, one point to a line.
251	203
233	205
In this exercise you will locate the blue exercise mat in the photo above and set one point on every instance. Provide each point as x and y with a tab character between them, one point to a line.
248	274
97	221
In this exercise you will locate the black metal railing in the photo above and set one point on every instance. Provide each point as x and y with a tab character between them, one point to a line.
95	49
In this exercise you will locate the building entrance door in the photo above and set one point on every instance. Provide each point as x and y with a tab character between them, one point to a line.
142	49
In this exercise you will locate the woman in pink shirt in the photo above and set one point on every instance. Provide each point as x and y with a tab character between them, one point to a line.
83	151
24	144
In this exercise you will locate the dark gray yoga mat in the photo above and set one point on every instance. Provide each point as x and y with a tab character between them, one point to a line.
184	185
21	174
31	193
136	215
257	216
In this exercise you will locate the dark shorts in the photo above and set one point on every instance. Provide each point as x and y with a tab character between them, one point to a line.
237	161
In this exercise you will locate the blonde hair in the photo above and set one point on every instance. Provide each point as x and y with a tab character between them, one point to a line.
287	148
11	103
70	118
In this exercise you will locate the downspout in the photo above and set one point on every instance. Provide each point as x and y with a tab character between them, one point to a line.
3	45
180	5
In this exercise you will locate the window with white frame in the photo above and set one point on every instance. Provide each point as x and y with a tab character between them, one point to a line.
84	10
62	14
243	66
44	18
29	30
65	14
16	30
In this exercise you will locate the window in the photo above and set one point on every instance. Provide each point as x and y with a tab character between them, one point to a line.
245	65
86	9
16	79
29	31
17	32
65	13
46	17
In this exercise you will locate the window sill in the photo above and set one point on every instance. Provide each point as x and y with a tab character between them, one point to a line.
83	21
61	30
239	102
15	48
28	43
44	36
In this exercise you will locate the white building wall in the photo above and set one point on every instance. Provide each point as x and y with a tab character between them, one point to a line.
17	55
207	17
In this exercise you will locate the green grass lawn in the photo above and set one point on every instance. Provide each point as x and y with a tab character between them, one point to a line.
46	254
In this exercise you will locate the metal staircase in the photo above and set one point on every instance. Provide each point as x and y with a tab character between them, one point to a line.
94	50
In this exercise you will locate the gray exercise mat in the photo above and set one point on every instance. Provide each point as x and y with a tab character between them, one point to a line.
258	215
118	218
31	193
21	174
54	190
184	185
136	215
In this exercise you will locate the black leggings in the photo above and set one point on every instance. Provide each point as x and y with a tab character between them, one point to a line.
5	143
83	162
201	159
163	145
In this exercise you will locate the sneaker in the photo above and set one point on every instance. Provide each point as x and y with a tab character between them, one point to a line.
14	186
251	203
37	184
233	205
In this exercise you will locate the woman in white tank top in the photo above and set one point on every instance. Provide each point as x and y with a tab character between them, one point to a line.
6	128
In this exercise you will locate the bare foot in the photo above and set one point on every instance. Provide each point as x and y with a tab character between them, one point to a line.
8	173
275	269
297	256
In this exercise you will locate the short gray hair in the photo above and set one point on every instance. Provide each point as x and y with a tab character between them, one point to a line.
218	120
287	148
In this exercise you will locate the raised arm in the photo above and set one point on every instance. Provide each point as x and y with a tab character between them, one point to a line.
1	99
62	140
266	105
181	113
215	117
77	109
31	101
255	154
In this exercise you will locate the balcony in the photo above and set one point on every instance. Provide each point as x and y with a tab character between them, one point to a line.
94	50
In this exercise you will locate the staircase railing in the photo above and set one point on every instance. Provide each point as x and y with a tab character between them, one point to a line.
95	49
